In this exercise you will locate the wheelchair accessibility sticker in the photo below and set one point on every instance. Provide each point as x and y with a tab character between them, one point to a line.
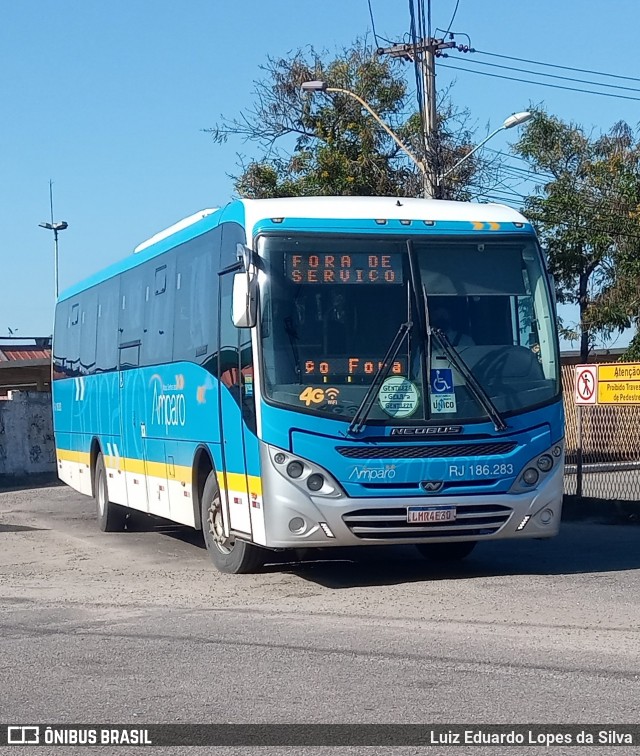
443	397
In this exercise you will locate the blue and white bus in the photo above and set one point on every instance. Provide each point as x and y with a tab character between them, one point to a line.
316	372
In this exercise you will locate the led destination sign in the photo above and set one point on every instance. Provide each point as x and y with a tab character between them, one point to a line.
359	268
341	366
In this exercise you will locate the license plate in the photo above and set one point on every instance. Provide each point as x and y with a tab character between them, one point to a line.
431	514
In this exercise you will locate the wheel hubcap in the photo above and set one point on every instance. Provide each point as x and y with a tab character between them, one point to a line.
216	526
101	494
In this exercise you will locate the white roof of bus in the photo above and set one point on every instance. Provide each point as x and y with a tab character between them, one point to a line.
174	228
398	208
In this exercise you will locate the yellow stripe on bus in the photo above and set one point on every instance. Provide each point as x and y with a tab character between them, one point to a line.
179	473
66	455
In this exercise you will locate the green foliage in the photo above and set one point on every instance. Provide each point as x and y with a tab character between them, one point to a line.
328	144
586	213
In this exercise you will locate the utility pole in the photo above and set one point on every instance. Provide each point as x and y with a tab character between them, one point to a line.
424	54
55	227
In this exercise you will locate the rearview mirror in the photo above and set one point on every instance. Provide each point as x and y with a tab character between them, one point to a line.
245	254
245	300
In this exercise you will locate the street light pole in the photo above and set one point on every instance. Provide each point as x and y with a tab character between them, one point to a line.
55	227
513	120
321	86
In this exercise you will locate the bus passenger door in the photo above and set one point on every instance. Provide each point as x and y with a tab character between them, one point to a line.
233	478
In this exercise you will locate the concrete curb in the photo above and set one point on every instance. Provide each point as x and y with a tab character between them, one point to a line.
607	512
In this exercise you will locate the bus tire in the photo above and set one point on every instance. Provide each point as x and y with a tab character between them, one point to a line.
446	552
111	517
229	555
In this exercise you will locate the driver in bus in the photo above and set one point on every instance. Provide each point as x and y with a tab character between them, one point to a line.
442	319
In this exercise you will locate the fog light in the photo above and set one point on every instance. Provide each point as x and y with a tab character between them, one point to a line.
546	516
315	482
530	476
295	469
279	458
296	525
545	463
557	451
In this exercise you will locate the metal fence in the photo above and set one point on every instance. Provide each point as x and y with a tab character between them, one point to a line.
602	448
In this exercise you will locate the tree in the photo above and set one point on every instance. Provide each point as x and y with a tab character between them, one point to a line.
327	144
586	212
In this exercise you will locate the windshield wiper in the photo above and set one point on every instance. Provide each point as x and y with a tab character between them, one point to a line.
291	332
364	409
474	385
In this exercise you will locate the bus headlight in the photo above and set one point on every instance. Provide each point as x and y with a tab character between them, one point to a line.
536	469
545	462
295	469
305	475
315	482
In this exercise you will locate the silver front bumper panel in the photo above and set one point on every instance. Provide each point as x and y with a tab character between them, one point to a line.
296	519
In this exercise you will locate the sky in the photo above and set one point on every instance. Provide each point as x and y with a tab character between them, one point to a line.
110	102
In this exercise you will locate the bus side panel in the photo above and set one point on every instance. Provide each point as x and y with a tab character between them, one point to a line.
69	451
179	413
105	425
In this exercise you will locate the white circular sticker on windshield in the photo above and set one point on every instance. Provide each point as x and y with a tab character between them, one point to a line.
398	396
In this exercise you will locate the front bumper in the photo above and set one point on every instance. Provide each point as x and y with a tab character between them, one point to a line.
382	520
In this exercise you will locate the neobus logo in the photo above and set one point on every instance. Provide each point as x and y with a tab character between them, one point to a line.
169	407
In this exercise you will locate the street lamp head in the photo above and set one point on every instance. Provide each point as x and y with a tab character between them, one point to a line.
59	226
314	86
517	119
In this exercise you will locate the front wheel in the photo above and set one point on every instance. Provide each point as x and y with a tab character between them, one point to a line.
111	517
227	553
446	552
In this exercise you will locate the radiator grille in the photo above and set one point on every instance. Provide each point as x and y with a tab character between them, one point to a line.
391	522
426	451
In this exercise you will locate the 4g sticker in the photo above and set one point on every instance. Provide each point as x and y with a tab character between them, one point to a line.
312	395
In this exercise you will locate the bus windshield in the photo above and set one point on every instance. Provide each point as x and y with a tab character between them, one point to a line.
331	306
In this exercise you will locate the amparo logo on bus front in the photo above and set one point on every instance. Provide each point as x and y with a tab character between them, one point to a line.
169	407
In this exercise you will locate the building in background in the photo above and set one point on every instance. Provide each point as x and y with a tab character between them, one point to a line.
25	364
27	449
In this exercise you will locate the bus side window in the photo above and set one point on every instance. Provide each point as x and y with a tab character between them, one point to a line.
61	341
88	325
157	341
107	335
73	340
133	288
195	298
235	354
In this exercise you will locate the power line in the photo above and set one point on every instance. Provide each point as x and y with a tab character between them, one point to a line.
540	83
453	18
557	65
373	26
551	76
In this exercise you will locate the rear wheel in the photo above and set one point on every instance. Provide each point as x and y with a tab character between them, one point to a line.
111	517
227	553
446	552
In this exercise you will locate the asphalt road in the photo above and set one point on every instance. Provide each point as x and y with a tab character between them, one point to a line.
138	627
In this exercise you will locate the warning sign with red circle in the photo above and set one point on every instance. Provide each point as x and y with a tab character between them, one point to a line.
586	384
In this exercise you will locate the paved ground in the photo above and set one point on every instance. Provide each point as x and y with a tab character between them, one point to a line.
137	627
